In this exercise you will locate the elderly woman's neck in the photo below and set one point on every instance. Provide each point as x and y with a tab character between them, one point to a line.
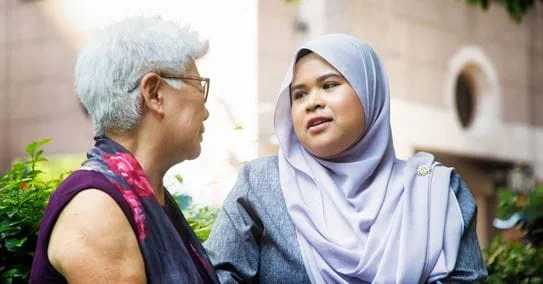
147	155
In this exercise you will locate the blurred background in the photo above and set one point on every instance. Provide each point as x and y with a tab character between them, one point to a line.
466	83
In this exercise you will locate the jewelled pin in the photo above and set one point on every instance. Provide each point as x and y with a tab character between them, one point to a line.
423	171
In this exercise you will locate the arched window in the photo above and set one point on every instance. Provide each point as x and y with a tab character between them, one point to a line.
465	98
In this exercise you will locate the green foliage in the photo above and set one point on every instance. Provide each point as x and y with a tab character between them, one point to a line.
510	202
507	203
23	198
510	262
200	218
184	201
516	8
60	164
179	178
24	193
534	210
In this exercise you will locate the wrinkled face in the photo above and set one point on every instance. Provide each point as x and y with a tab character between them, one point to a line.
327	114
184	114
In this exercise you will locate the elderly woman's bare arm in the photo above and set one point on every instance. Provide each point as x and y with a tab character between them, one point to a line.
92	241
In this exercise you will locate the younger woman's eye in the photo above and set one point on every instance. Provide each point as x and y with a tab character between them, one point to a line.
298	95
328	85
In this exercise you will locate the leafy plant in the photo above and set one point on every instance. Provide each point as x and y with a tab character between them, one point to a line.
510	202
533	210
200	218
23	198
515	8
24	193
507	203
60	165
510	262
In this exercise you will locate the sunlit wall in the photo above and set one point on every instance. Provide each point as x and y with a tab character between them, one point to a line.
230	27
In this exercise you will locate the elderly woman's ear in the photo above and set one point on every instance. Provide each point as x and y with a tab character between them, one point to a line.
151	98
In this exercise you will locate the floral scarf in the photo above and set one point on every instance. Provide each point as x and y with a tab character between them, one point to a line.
165	239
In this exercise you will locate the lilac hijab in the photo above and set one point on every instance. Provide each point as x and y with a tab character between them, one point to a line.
366	216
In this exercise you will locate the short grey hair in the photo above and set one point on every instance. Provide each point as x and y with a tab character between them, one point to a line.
115	60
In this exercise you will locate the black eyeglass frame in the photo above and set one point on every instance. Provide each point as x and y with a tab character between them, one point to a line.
204	88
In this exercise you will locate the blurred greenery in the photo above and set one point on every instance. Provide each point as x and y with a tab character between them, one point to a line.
27	186
534	209
25	190
507	203
511	202
200	217
58	165
515	8
24	194
508	261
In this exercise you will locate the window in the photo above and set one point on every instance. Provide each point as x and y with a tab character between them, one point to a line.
465	99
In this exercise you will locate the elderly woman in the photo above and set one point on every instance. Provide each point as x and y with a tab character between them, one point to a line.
336	205
112	220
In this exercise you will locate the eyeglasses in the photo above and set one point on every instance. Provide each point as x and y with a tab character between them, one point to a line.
204	82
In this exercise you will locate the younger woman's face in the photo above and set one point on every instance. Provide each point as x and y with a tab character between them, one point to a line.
327	114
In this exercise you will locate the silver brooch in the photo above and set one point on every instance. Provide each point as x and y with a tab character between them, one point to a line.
423	171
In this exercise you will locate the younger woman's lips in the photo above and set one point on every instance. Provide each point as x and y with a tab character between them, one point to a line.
319	127
317	120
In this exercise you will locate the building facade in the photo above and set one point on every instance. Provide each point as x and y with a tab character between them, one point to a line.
466	84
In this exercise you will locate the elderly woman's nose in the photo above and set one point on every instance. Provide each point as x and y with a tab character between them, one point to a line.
206	114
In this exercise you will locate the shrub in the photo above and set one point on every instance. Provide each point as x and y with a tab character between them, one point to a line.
510	262
23	198
24	193
200	218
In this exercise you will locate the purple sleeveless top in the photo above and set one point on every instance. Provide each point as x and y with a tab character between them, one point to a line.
42	270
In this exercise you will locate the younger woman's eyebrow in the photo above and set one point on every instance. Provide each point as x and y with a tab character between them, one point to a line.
319	79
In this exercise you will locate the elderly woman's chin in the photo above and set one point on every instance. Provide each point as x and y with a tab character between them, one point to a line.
193	151
196	153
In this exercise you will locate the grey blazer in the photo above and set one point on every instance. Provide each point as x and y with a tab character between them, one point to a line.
254	239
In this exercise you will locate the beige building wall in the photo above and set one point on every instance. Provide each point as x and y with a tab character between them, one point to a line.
39	42
277	39
418	42
425	45
37	98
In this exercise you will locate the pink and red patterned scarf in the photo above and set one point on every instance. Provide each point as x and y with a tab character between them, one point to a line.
165	238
